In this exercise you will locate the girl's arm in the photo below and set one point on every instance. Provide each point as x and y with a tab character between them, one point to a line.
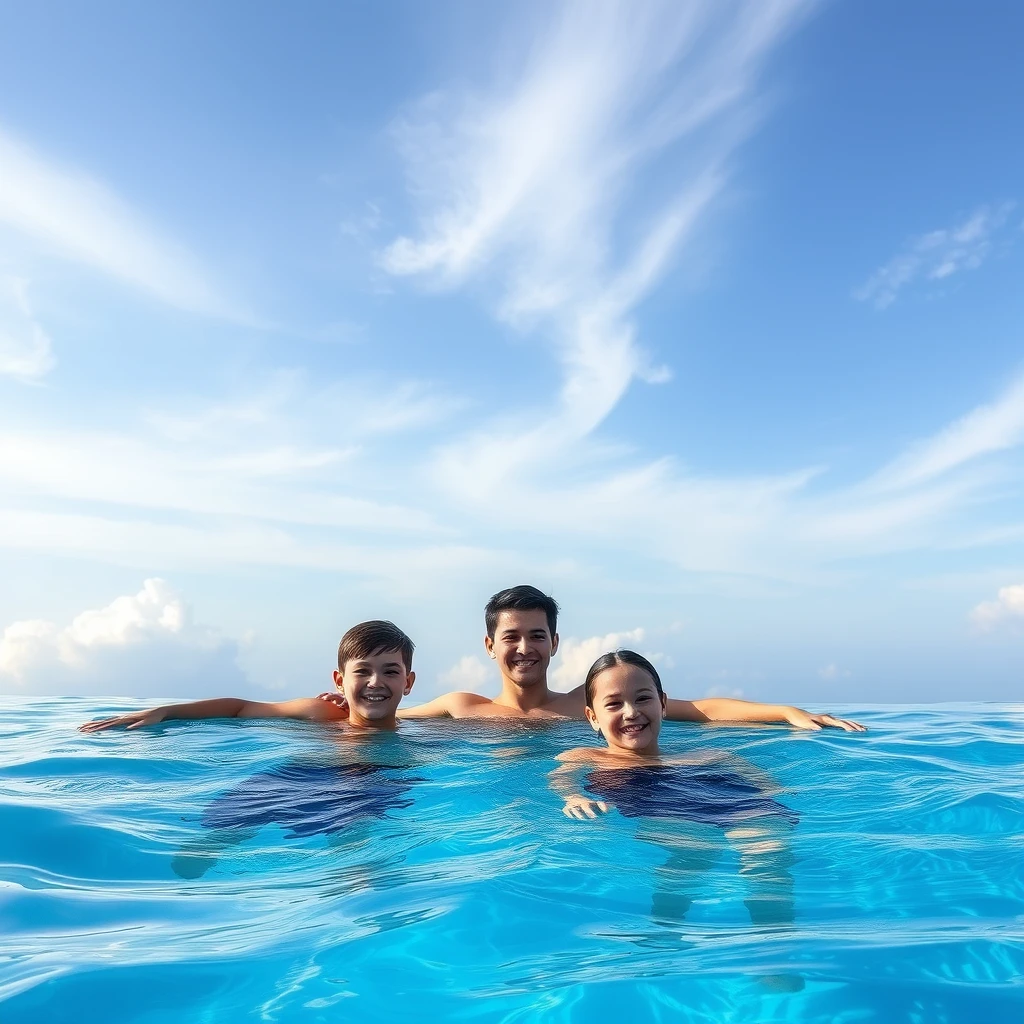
728	709
564	780
307	709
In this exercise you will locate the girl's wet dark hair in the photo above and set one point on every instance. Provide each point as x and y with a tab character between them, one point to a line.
610	660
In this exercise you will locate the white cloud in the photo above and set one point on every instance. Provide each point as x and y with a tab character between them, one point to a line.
468	673
138	645
252	483
71	215
25	348
988	428
832	672
528	187
576	656
724	691
1006	610
936	255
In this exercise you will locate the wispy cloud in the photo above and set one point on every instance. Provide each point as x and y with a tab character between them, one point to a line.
936	255
989	428
25	348
832	672
1006	610
533	189
72	215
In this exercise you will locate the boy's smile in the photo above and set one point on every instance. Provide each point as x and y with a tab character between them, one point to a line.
522	646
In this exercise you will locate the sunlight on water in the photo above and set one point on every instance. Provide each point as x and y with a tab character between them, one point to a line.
448	885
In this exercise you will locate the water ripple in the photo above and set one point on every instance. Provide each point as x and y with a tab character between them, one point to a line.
477	900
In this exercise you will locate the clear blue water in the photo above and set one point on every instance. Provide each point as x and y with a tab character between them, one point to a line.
479	901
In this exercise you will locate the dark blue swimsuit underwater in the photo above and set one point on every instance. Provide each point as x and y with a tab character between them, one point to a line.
693	792
311	799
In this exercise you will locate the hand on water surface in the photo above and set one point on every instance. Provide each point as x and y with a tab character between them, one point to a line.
135	720
582	807
803	720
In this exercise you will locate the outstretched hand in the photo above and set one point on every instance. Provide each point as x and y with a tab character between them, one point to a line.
582	807
803	720
135	720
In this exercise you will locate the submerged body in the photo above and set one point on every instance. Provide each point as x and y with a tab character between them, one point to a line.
703	792
311	799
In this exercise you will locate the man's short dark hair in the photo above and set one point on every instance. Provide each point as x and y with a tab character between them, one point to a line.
377	636
520	599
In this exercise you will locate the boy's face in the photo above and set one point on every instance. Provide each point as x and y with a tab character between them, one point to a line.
627	709
522	646
374	686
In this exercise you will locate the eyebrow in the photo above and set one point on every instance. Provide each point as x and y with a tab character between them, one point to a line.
644	691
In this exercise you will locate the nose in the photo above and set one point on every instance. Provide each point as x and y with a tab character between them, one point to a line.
628	711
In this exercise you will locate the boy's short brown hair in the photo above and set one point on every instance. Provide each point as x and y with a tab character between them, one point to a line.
374	637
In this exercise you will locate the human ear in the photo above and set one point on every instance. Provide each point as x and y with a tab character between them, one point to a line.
489	646
339	679
554	643
592	719
409	680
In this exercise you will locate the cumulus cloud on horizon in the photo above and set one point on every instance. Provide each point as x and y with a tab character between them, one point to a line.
470	673
1006	610
575	656
139	645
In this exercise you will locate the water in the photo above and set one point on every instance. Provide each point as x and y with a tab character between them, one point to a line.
479	901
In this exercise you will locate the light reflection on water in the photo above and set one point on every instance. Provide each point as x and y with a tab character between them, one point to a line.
480	901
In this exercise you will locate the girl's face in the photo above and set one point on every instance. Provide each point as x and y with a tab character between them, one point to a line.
627	709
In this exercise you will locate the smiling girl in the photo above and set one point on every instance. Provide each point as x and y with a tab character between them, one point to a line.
689	806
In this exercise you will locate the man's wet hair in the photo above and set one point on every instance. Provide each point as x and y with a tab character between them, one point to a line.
520	599
377	636
610	660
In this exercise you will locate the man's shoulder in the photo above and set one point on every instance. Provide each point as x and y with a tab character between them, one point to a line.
456	704
458	699
570	704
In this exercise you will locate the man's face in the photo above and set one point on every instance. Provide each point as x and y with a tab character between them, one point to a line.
374	685
522	646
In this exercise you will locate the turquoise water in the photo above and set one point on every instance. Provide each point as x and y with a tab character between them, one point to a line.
479	901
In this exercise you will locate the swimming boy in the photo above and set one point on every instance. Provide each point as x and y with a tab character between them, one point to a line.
332	798
687	805
522	636
374	674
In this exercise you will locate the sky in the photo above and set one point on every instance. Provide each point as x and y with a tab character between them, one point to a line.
704	318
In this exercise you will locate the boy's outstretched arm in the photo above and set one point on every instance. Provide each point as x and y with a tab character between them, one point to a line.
307	709
728	709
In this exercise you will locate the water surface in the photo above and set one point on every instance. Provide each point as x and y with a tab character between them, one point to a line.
474	899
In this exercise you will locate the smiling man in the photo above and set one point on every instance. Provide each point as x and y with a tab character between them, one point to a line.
522	636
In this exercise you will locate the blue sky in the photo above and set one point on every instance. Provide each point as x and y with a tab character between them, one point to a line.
705	318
